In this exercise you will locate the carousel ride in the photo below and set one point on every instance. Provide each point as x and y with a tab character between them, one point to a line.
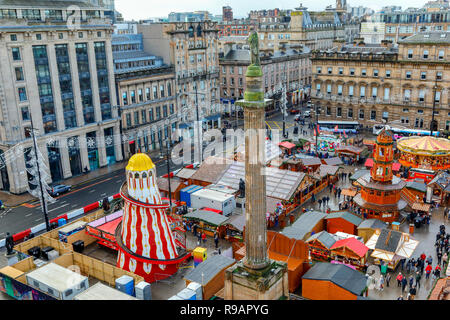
424	152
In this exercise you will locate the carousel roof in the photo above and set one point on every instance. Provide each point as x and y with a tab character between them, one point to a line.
424	145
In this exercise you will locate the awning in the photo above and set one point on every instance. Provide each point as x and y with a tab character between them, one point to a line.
349	192
183	126
369	163
286	144
213	117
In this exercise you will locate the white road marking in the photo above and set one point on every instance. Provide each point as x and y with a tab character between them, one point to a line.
74	205
118	181
28	215
38	219
60	207
92	191
103	194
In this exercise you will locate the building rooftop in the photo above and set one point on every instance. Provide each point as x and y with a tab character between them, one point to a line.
300	228
372	224
347	216
324	237
208	269
339	274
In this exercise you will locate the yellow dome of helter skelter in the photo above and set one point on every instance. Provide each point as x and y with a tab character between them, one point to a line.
140	162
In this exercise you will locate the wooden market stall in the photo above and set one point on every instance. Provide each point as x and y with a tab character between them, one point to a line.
210	171
287	148
307	224
208	221
350	251
176	185
343	221
440	189
367	228
234	228
320	244
327	281
351	154
391	246
210	274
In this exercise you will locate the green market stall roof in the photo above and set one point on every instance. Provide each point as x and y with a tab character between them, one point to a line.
211	218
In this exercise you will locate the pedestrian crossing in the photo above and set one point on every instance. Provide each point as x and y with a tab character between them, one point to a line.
278	125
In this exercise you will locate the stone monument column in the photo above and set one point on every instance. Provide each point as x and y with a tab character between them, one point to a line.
255	277
255	179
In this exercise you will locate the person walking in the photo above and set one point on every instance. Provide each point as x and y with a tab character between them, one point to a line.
428	270
216	239
418	278
437	272
381	283
413	265
404	283
388	279
408	266
204	238
439	257
402	263
412	292
430	259
320	203
411	281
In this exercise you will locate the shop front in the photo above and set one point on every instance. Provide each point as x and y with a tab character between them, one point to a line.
54	161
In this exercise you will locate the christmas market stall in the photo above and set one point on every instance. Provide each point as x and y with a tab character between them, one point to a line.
287	148
208	221
351	154
424	152
391	246
210	274
350	251
176	185
335	161
234	228
320	244
439	189
343	221
327	281
367	228
307	224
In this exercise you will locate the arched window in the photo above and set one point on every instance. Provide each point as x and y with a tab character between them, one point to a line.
191	32
144	175
199	31
136	175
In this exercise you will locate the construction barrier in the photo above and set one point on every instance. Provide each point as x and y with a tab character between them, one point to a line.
75	213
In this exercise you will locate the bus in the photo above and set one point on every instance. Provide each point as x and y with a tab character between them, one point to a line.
342	126
403	131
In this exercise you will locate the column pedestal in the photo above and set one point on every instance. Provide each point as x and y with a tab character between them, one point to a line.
270	283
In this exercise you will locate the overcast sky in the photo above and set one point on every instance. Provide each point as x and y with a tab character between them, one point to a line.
141	9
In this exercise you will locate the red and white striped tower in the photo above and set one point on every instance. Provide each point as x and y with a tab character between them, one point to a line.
145	240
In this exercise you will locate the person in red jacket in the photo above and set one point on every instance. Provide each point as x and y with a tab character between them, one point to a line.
399	279
428	270
204	238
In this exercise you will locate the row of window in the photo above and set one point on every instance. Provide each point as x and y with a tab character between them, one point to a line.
138	97
426	54
375	72
35	14
374	95
38	36
140	117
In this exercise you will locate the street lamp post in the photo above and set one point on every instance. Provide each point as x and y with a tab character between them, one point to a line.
44	204
317	129
434	106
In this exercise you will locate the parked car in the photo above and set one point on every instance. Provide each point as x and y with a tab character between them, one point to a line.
294	111
307	114
298	117
59	189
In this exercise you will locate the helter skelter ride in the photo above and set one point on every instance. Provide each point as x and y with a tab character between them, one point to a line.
148	240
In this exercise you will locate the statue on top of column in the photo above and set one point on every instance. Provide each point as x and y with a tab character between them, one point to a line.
253	41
